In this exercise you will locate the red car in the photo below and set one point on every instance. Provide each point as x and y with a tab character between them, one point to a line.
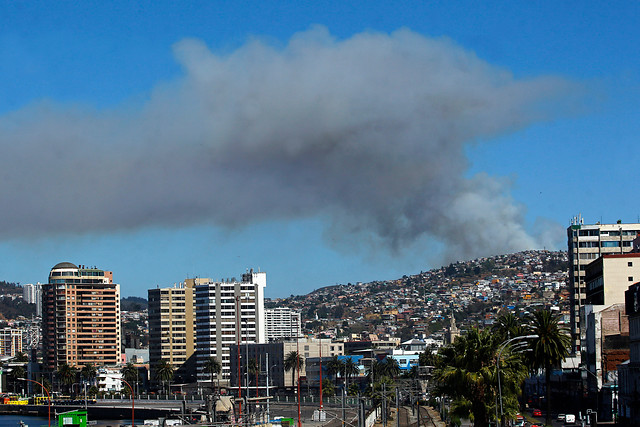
537	413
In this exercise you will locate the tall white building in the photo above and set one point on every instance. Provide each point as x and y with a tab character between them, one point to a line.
282	322
587	242
32	294
228	312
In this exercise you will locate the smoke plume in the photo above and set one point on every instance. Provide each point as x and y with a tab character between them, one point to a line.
369	132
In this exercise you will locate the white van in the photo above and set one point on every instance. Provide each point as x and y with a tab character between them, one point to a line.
569	419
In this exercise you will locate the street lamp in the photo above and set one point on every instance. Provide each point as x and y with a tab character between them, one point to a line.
132	401
45	389
502	347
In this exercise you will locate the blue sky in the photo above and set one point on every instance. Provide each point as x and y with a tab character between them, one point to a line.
81	84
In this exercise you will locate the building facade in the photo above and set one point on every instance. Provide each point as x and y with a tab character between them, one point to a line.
32	294
228	312
586	243
281	323
279	377
629	371
172	324
80	317
609	276
10	341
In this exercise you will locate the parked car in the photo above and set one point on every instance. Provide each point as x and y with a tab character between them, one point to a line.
537	413
569	419
561	418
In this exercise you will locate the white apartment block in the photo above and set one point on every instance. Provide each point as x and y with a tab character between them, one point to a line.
32	294
282	322
586	243
227	313
109	379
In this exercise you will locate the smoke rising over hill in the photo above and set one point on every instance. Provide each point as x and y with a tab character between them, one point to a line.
368	132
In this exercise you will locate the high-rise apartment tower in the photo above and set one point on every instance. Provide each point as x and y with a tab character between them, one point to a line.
80	317
171	324
587	242
228	312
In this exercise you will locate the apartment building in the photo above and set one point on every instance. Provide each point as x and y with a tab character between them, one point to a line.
10	341
228	312
171	324
629	371
282	322
586	243
80	317
32	294
608	277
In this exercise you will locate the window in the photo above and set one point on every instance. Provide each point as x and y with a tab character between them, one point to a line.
631	278
612	244
630	264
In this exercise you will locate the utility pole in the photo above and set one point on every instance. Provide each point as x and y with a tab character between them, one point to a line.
344	413
268	394
397	408
384	405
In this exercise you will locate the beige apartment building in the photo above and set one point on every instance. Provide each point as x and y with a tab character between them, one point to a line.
80	317
586	243
171	324
10	341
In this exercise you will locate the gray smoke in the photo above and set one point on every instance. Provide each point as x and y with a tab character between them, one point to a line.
369	132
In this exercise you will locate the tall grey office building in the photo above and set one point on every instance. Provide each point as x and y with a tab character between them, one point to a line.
228	312
587	242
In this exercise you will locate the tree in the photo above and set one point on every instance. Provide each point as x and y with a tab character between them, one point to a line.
212	366
93	391
16	372
508	326
292	362
66	375
334	367
350	369
468	374
353	389
328	388
429	357
549	349
21	357
129	374
390	368
88	372
254	369
164	372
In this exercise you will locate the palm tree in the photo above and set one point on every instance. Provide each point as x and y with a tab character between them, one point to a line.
254	369
66	375
468	375
390	367
292	362
213	366
549	349
508	326
350	369
334	367
88	372
129	374
164	372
